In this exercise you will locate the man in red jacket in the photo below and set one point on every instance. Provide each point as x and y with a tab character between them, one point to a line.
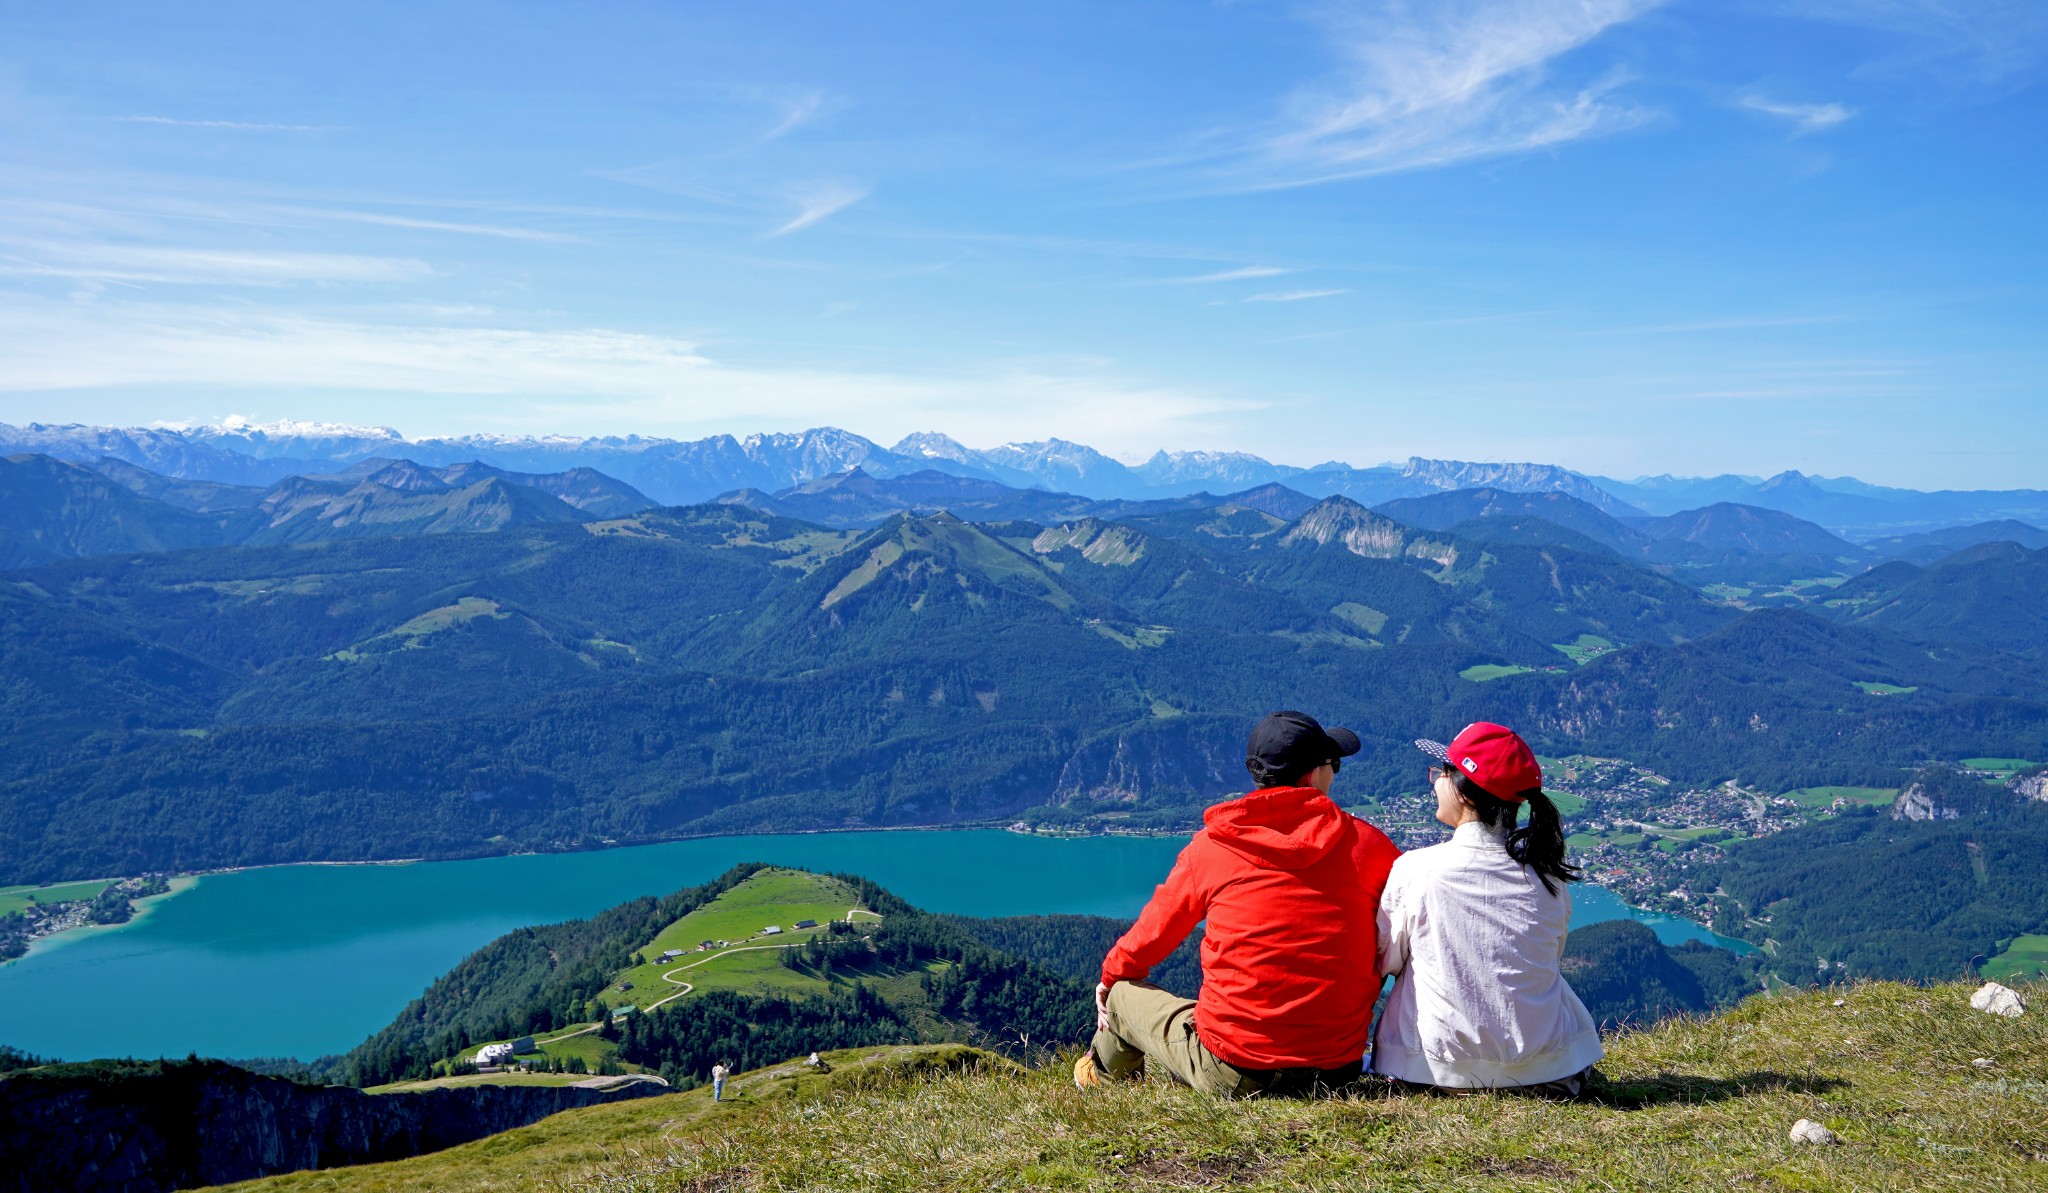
1290	885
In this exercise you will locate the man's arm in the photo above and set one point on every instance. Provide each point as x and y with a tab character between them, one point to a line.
1181	902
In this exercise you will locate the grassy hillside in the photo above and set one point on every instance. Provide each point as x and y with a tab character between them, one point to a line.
752	961
871	970
744	959
1696	1103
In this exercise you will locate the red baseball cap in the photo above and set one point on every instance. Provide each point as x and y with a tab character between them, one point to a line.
1494	756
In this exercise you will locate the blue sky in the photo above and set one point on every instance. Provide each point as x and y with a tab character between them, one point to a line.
1620	235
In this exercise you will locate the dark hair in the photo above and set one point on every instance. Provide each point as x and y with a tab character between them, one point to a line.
1538	844
1268	777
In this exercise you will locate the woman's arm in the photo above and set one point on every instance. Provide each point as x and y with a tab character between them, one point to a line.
1395	919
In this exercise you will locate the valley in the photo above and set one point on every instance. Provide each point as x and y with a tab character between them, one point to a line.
1731	698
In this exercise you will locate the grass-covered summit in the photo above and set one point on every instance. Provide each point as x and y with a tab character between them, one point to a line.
748	968
1898	1073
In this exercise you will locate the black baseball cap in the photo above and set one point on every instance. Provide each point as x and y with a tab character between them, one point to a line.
1287	743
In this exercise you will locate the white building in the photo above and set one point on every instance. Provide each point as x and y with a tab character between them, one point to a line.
493	1054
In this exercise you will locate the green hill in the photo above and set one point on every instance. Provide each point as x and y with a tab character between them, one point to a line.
755	964
1922	1092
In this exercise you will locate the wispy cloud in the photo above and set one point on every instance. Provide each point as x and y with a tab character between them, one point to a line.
1805	118
819	201
799	112
1971	41
239	126
1431	85
1294	295
143	263
593	378
402	221
1233	275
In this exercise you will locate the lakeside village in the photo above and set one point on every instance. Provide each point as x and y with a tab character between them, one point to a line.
29	913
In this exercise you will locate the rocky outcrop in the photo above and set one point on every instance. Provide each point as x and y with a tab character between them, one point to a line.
2031	784
1102	543
1917	802
1342	520
1197	755
163	1125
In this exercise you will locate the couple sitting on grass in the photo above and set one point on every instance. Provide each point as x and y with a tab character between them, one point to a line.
1309	909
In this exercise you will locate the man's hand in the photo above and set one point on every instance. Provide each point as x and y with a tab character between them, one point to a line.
1102	1006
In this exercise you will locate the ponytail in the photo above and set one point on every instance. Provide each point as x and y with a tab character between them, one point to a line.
1538	844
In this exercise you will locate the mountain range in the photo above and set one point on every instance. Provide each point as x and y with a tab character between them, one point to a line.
54	509
576	682
676	472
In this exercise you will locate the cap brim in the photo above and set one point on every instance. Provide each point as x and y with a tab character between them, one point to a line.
1347	742
1435	749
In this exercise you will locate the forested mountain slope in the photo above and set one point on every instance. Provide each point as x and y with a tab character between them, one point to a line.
578	683
52	510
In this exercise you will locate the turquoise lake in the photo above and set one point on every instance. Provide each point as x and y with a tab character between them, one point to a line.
308	960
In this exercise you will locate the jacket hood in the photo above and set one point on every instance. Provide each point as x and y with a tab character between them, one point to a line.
1279	828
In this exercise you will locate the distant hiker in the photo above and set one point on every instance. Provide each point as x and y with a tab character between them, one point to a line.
718	1075
1289	884
1475	928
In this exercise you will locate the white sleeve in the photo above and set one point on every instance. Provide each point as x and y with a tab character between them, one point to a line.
1393	924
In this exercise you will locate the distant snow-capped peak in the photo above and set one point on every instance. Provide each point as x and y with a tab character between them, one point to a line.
237	426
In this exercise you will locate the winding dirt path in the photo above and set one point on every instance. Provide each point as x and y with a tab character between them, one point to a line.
669	975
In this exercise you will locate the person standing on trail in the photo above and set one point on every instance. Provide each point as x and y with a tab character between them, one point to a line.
1290	885
718	1075
1475	929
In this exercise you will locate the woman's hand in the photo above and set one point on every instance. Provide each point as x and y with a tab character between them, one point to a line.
1102	1006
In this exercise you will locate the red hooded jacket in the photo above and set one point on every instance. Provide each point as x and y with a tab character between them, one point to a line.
1290	884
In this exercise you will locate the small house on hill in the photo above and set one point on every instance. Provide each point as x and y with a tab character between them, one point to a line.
709	944
620	1012
524	1046
493	1054
807	923
671	954
772	930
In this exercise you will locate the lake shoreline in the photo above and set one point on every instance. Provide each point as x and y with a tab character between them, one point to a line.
144	907
187	880
311	959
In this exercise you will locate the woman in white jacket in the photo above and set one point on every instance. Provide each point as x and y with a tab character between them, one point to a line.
1474	928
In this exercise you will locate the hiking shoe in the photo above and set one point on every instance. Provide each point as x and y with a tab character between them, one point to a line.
1087	1074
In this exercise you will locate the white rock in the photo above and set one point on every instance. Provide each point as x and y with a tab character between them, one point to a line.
1808	1131
1841	1002
1994	999
1984	1062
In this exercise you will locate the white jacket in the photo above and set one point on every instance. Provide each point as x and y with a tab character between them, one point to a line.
1476	941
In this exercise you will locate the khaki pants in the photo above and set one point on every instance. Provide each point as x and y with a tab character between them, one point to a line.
1147	1024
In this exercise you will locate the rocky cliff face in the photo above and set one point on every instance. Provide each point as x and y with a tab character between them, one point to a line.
1195	755
2030	784
1916	802
163	1125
